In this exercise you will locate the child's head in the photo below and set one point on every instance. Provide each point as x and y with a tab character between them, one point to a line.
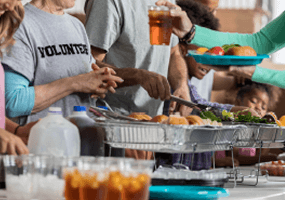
211	4
199	14
195	69
260	97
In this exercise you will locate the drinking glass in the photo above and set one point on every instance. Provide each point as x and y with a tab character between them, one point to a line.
48	182
160	25
19	176
73	168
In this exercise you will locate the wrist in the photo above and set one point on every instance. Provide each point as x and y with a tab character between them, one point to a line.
188	37
74	83
17	129
130	76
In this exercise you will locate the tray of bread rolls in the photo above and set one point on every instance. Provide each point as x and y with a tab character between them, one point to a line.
173	135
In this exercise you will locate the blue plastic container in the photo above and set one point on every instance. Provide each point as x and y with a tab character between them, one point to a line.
211	59
187	192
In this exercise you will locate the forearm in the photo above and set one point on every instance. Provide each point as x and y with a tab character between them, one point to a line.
130	76
10	126
269	76
204	37
177	72
46	95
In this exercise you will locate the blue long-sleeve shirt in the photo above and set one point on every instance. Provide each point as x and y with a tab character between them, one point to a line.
18	92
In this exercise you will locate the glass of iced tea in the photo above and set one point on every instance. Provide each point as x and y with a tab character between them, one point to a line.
160	25
73	172
129	179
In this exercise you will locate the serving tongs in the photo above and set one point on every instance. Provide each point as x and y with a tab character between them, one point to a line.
197	106
109	114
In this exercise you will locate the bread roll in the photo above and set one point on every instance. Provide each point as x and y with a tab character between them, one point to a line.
194	120
241	51
159	118
140	116
177	120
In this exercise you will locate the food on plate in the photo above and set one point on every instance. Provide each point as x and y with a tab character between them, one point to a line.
226	47
241	51
216	50
176	120
282	120
210	122
210	115
269	118
227	115
194	120
140	116
272	118
202	50
159	118
274	168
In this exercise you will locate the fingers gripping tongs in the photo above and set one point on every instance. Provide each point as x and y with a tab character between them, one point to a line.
190	104
197	106
109	114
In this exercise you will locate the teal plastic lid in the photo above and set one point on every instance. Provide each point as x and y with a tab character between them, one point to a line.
187	192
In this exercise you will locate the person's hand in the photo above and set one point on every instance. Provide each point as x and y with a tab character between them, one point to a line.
181	22
11	144
98	82
245	72
24	131
155	84
110	83
182	92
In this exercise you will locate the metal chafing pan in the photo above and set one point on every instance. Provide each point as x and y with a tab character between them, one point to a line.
168	138
257	133
280	134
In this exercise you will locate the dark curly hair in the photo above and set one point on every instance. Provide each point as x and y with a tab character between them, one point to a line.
199	14
273	92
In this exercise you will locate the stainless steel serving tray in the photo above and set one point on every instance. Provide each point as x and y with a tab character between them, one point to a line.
255	134
280	134
168	138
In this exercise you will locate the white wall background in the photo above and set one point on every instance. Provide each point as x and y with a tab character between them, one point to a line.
278	8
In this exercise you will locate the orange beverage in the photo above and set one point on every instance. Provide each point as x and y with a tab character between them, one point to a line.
72	184
121	187
137	187
115	186
93	188
160	25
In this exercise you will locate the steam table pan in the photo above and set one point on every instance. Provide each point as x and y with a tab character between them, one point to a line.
168	138
255	134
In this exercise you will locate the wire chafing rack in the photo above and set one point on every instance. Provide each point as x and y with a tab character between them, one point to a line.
193	139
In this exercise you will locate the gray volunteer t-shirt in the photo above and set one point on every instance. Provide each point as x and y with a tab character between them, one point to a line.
50	47
121	28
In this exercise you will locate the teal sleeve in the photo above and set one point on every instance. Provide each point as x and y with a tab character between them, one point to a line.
268	40
270	76
19	96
